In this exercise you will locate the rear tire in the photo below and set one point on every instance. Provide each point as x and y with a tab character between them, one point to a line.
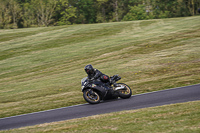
125	93
91	96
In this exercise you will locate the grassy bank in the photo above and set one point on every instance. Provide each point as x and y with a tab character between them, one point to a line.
177	118
41	68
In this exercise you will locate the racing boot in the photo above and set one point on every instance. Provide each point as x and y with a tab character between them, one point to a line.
112	82
116	85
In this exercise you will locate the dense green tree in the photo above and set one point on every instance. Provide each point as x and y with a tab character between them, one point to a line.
86	11
10	13
101	10
192	6
65	13
28	13
126	4
5	17
44	10
137	13
15	10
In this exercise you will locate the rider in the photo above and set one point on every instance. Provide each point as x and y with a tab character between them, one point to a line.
94	74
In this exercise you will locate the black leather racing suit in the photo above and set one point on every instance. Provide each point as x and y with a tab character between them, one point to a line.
96	75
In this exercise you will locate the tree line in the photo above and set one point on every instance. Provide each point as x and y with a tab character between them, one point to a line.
34	13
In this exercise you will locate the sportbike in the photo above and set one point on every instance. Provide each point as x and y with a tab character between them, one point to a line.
94	92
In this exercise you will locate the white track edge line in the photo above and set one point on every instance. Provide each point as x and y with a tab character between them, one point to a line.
166	90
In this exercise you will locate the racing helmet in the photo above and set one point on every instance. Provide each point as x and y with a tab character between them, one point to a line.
89	69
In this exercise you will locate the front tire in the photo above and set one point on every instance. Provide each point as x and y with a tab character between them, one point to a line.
91	96
126	93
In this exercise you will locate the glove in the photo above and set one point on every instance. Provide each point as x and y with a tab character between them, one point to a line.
90	80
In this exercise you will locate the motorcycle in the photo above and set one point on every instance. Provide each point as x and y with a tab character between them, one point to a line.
96	91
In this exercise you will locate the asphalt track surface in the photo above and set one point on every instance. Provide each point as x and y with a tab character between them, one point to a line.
158	98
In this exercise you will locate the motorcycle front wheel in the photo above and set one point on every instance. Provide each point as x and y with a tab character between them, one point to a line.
125	93
91	96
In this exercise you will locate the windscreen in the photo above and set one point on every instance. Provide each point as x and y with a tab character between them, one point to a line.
83	80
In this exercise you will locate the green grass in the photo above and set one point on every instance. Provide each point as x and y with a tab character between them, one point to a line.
175	118
41	68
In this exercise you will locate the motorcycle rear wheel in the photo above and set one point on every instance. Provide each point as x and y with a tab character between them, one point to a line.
125	93
91	96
